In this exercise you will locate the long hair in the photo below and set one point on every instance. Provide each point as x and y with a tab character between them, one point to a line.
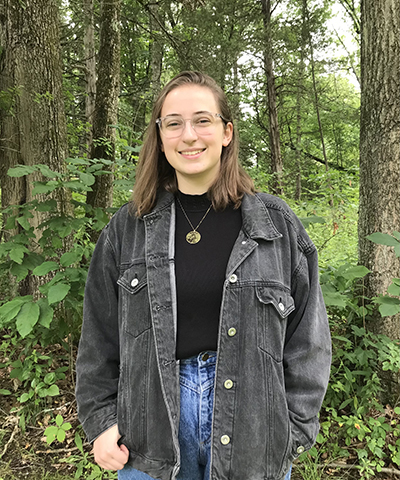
154	171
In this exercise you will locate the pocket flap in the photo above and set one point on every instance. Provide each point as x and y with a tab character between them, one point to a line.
133	279
279	297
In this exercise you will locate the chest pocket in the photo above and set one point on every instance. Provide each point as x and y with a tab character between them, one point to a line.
134	300
275	305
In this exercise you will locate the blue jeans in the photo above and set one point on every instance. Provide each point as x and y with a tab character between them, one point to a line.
197	394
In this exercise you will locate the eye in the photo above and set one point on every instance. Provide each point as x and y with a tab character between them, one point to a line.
173	123
203	120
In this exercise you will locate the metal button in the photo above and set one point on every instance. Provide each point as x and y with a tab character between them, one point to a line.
228	384
205	357
300	449
281	306
134	282
225	439
232	332
233	278
244	242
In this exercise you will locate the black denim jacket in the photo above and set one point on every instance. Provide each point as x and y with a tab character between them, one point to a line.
274	343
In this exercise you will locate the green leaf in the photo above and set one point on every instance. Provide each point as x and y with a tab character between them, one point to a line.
50	434
10	223
49	378
334	299
66	426
23	221
70	257
358	271
10	310
47	206
27	318
24	397
17	253
45	268
343	339
46	313
387	310
19	271
21	170
87	178
59	420
78	442
58	292
52	391
61	435
383	239
394	289
64	231
307	221
43	187
3	391
76	186
47	172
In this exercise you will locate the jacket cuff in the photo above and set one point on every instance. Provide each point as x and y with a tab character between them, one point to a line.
103	420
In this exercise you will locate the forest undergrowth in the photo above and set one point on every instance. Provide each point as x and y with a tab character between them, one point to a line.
40	436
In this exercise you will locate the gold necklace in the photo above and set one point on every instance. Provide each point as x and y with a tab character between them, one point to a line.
193	236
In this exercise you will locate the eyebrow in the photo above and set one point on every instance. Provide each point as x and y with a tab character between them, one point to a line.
180	115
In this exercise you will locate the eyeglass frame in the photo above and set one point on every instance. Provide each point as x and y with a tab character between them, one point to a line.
160	119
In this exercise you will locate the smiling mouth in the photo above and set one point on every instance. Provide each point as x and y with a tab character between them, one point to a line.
192	152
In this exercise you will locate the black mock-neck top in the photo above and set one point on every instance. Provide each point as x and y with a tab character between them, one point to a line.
200	271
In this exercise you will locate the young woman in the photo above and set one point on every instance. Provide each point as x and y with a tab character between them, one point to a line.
205	347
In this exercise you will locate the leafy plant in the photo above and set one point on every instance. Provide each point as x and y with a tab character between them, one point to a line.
388	304
57	431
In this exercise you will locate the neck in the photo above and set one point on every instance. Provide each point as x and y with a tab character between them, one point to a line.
195	184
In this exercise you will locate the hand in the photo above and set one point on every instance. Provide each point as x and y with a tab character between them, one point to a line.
107	453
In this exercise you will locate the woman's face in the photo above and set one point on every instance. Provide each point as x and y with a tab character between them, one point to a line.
195	157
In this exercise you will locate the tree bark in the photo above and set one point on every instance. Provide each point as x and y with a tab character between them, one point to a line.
274	137
33	125
106	106
380	149
90	70
156	48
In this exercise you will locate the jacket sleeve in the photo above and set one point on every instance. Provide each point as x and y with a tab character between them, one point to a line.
307	351
97	366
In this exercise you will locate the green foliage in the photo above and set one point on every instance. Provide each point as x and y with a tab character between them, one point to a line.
57	431
85	468
353	419
388	304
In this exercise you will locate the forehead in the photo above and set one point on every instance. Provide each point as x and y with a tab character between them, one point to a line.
188	99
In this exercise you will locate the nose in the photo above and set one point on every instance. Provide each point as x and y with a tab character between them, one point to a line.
189	133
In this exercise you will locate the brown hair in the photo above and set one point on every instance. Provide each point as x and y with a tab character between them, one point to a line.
154	171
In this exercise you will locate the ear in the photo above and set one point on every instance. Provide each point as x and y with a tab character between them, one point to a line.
228	133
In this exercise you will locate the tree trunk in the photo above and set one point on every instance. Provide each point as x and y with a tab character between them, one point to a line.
90	70
156	49
275	146
33	125
106	106
316	97
380	149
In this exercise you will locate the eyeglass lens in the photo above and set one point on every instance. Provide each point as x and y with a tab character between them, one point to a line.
173	126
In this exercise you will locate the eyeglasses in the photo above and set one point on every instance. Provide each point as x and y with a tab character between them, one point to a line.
204	123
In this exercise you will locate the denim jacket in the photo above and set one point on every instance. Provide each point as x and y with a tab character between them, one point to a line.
273	343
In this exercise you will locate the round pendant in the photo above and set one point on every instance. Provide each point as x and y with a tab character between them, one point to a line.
193	237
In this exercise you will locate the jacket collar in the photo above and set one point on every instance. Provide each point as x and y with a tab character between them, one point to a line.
257	222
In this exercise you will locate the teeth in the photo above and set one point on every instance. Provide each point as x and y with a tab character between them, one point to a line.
194	152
